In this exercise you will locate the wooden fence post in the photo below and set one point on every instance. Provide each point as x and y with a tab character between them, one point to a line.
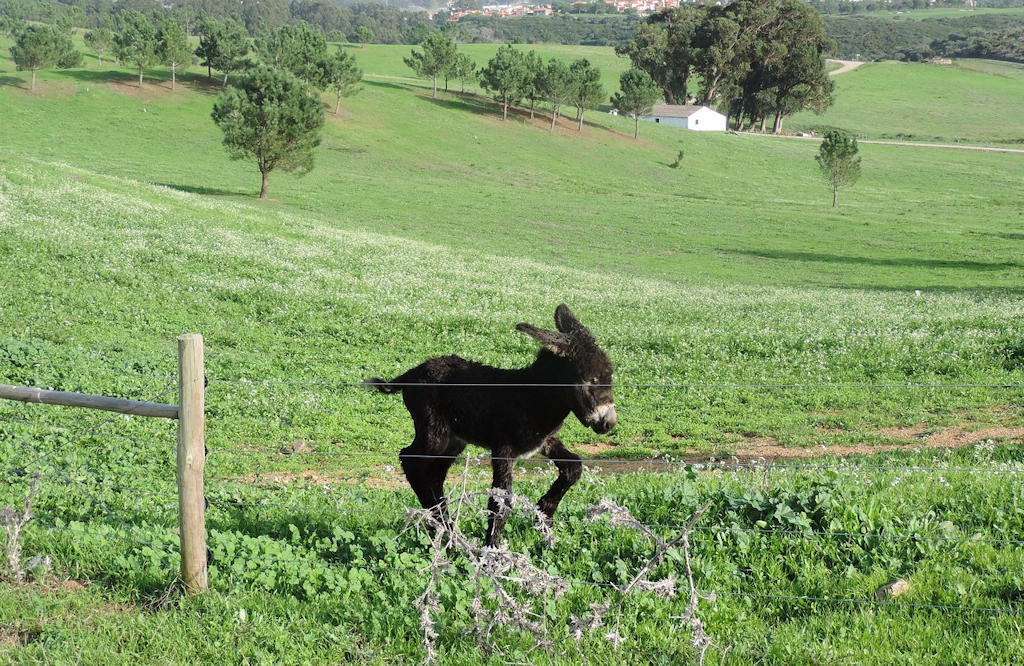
191	461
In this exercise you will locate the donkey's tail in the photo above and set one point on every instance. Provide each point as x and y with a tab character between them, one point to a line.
395	385
381	385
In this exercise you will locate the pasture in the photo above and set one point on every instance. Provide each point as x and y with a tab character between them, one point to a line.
745	317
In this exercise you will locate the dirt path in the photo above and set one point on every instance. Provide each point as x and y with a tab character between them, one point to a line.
953	146
847	66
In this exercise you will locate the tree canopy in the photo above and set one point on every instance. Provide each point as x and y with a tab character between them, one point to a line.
173	47
270	116
754	58
638	93
435	57
507	77
838	161
135	40
42	46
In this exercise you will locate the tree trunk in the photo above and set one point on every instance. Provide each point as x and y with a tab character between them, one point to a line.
33	87
554	117
140	76
446	83
337	107
533	103
835	196
99	60
433	93
579	127
224	83
763	122
636	127
172	75
777	129
740	123
209	73
263	189
504	107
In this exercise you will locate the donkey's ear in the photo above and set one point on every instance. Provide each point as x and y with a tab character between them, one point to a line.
567	323
556	343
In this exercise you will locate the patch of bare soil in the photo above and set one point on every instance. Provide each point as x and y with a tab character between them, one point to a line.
912	437
383	476
594	449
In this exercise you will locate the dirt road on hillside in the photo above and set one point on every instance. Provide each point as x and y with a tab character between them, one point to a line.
847	66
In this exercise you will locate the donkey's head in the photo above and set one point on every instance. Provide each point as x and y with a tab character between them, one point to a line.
589	370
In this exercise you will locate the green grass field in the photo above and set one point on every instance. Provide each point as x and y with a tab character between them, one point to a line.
973	101
431	227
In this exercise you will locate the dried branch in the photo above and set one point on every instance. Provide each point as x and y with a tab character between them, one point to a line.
14	522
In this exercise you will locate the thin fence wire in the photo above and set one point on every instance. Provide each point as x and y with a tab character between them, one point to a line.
631	385
767	464
713	530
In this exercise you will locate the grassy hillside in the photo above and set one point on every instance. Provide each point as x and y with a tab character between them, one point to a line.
431	227
970	102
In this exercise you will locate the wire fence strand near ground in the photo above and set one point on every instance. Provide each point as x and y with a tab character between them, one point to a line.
233	503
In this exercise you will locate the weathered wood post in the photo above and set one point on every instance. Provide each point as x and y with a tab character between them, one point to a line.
191	461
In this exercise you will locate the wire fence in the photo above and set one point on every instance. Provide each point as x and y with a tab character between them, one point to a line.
219	496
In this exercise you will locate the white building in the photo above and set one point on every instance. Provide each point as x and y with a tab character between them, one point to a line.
690	116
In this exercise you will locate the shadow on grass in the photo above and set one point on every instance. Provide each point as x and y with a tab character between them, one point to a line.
14	82
212	191
900	262
100	76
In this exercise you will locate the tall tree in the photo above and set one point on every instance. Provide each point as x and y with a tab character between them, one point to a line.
463	68
838	161
173	47
637	96
271	116
435	58
534	87
99	40
232	48
40	47
505	77
135	40
339	74
559	86
209	30
664	47
587	90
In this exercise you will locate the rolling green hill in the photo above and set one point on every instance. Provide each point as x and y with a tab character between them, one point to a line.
973	101
744	315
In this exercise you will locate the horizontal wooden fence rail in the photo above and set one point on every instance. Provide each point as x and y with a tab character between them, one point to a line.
69	399
191	451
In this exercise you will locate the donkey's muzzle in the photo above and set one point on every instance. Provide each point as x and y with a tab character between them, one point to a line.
603	418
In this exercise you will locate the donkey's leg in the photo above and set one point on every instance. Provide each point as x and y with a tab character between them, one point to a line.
438	472
422	471
569	467
497	511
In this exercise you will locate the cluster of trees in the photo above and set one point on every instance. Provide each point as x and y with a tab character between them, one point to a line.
754	58
361	22
1007	45
41	47
513	75
440	57
273	114
872	38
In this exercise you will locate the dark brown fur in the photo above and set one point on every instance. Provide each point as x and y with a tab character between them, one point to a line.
512	413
